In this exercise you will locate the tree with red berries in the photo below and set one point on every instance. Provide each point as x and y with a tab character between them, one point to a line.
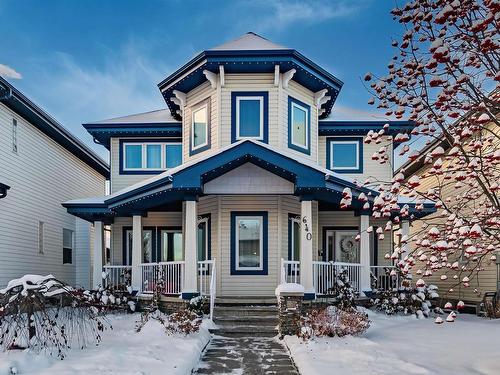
444	76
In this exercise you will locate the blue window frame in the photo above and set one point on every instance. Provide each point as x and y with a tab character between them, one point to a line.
249	243
145	156
204	238
200	127
294	237
249	116
344	154
299	126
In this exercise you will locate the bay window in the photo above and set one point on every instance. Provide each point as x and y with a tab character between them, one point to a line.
149	157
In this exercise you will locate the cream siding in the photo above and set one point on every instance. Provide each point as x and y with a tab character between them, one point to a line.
42	175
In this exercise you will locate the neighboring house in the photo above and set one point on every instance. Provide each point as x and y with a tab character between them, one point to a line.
487	280
241	171
44	165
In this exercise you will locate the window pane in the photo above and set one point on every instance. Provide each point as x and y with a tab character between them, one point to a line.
67	238
296	241
202	241
173	155
147	246
177	241
128	252
346	249
133	156
249	242
249	118
344	155
153	156
299	126
200	127
67	256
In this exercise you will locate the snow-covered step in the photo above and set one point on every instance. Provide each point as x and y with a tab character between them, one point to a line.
267	319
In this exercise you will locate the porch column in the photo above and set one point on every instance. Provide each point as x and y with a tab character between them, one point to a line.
98	254
190	287
136	253
306	249
364	247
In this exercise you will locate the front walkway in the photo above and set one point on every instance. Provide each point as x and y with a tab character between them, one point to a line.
246	355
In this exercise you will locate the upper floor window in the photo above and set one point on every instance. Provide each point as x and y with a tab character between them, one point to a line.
249	116
67	246
14	135
344	154
150	157
200	127
299	126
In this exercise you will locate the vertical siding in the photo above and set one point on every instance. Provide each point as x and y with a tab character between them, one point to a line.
41	175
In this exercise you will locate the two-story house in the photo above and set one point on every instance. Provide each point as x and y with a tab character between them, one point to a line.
242	174
41	165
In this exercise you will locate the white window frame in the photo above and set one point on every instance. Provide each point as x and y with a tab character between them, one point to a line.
194	110
41	237
205	221
306	110
332	166
261	243
260	98
14	135
72	246
144	155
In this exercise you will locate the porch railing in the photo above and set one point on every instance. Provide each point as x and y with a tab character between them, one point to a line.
324	274
117	277
205	271
290	271
382	278
171	272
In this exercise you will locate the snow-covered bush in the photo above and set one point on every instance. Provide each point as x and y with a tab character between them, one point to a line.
183	321
332	321
344	295
199	305
44	314
420	301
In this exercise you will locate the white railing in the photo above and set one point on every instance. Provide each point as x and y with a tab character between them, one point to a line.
205	270
213	288
117	277
384	279
172	274
290	271
324	274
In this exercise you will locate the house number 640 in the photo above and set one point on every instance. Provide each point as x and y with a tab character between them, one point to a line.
306	228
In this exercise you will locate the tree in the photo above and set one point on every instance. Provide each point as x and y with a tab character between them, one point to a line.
444	77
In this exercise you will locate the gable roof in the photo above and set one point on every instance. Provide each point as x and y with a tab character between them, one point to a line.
159	116
247	42
36	116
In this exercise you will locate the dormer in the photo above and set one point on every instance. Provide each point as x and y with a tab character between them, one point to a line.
250	88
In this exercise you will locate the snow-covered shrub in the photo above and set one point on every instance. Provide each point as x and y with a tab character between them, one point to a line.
332	321
420	301
109	299
44	314
342	291
199	305
184	322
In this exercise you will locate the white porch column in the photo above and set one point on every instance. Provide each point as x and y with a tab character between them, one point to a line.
136	253
364	250
190	287
306	249
98	254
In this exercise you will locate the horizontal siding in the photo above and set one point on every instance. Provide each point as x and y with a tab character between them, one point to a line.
41	175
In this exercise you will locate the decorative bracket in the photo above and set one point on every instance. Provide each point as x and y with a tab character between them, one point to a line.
319	98
287	77
179	99
276	75
212	77
222	76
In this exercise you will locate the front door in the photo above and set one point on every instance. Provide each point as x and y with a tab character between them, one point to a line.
341	246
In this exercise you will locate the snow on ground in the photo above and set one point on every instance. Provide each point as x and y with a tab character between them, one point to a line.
405	345
122	351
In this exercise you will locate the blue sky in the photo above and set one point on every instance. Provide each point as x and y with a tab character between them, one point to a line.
90	60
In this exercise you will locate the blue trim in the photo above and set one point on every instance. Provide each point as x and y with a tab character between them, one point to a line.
327	228
326	128
189	295
195	107
290	144
124	241
265	96
360	154
309	296
37	117
264	216
143	140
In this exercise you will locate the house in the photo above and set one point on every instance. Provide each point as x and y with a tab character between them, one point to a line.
242	175
486	280
41	165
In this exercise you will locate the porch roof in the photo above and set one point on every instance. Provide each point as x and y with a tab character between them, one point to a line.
311	181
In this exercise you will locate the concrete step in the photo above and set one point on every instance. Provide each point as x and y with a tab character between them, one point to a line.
244	331
271	319
247	310
246	301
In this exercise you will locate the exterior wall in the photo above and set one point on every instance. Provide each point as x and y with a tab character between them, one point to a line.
42	174
371	168
84	241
